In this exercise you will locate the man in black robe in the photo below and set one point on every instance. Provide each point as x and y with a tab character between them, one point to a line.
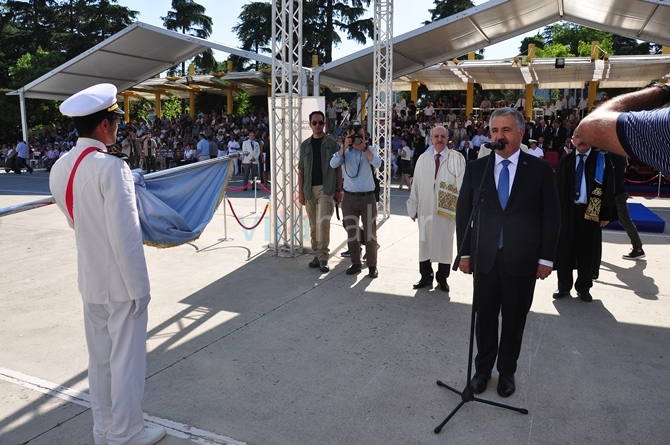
585	181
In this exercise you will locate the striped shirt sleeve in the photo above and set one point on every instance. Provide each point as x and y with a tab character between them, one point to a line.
645	136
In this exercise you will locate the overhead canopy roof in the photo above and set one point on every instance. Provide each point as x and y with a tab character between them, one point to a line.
126	59
252	83
137	53
494	22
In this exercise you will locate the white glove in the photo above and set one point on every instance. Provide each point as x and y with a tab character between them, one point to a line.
141	305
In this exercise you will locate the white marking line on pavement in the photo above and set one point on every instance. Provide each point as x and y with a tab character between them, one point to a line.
176	429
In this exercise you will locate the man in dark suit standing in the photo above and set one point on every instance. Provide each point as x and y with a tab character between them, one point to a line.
519	231
557	136
469	153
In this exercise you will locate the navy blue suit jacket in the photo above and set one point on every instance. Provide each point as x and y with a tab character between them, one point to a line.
530	221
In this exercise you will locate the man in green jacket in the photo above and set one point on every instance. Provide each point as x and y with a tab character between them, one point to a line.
318	185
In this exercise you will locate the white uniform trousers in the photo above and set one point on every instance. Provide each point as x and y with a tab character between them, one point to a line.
116	370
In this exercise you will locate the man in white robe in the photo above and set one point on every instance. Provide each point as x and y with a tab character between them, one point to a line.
433	202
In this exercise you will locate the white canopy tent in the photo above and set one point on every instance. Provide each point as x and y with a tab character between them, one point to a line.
493	22
126	59
139	52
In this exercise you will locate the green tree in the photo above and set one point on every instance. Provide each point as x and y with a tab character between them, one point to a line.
339	15
447	8
85	23
254	30
555	50
323	21
189	17
536	39
172	108
39	112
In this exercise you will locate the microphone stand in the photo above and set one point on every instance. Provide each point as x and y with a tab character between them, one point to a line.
467	395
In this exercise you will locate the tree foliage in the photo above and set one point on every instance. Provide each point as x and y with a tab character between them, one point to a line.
254	31
188	17
324	23
447	8
578	38
37	36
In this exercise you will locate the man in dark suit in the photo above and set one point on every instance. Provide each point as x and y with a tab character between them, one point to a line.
545	133
535	131
557	136
469	153
519	231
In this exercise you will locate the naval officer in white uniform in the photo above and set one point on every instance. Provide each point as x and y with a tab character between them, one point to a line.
96	193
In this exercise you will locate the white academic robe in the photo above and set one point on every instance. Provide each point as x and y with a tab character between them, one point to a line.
436	232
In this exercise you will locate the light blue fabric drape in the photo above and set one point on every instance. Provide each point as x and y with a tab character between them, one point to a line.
175	208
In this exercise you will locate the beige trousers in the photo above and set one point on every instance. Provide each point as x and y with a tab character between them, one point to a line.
319	212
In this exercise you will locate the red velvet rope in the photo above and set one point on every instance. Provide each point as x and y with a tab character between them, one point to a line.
264	188
647	181
238	189
240	222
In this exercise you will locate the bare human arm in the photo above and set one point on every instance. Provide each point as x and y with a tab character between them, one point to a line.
599	127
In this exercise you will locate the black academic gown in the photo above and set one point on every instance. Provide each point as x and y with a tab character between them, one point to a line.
592	233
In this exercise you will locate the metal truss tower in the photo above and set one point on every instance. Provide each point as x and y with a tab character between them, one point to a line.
286	213
382	96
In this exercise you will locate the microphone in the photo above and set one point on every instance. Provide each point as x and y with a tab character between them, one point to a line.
495	145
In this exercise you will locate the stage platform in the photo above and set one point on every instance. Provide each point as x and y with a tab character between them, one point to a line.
645	220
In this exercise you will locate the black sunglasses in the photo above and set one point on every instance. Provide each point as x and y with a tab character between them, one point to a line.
317	122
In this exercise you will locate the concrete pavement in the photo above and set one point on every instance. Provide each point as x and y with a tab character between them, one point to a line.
249	348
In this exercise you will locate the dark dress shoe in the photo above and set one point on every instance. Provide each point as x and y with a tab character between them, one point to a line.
373	272
323	266
423	282
506	385
354	269
314	263
560	294
585	296
479	383
444	287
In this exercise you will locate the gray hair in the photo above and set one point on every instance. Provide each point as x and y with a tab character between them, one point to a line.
508	111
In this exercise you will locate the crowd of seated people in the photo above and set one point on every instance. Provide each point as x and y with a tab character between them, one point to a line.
174	141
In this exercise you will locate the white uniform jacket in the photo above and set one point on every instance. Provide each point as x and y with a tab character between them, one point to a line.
254	151
107	232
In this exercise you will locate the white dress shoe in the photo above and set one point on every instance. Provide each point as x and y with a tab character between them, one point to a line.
150	435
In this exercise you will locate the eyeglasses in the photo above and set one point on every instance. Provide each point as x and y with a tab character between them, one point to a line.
317	122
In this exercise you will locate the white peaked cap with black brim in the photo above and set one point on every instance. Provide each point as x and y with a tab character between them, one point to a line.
92	100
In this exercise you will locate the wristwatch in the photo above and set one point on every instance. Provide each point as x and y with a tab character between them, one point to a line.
664	86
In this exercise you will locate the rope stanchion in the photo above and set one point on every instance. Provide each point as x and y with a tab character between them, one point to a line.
260	220
646	181
225	223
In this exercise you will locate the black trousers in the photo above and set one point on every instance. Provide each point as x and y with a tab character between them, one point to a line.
511	296
426	270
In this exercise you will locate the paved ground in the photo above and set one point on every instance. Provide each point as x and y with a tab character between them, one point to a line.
249	348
